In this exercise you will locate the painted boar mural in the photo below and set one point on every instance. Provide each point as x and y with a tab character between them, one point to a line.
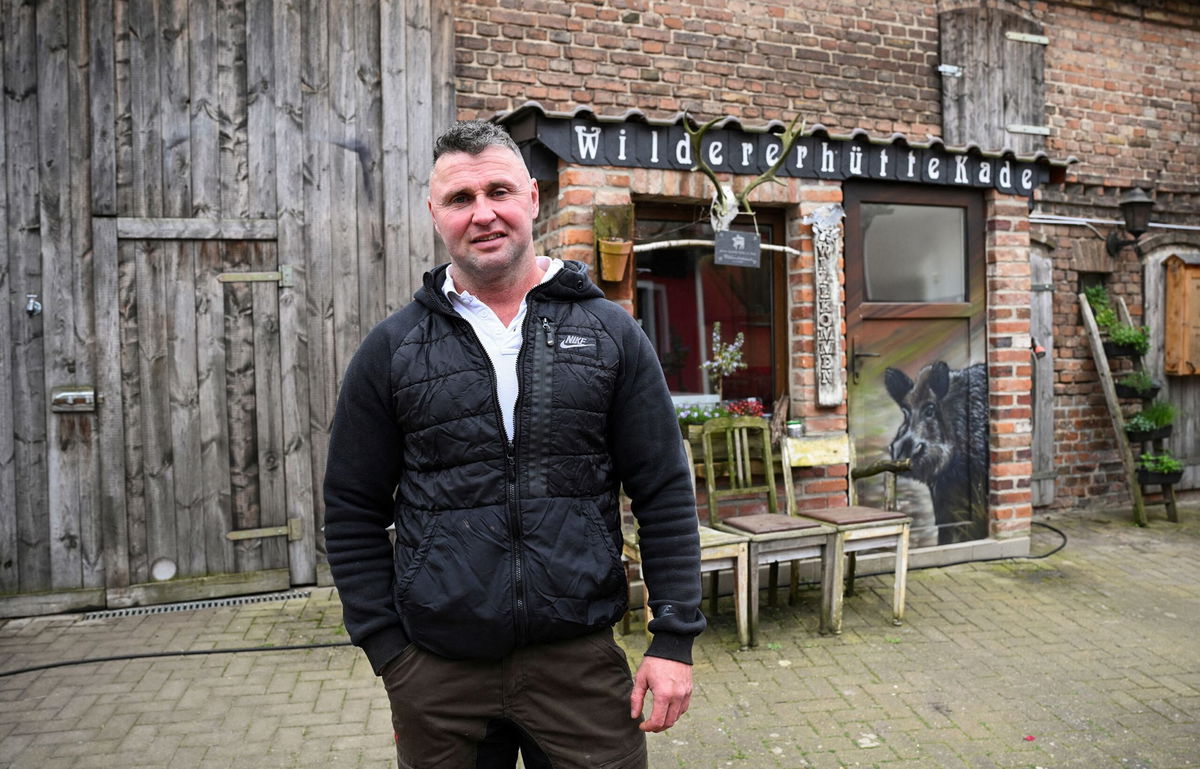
945	435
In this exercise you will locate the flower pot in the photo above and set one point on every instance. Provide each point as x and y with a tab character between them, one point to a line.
1124	391
1141	436
1114	350
1149	478
614	258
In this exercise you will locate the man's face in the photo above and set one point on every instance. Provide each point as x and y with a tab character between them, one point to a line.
483	208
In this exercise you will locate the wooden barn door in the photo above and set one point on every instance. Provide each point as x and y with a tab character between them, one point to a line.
202	415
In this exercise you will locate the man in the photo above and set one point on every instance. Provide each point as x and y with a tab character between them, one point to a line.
493	421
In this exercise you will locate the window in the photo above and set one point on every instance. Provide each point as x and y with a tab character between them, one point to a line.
681	294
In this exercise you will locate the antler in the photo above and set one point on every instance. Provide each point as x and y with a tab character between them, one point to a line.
789	137
723	211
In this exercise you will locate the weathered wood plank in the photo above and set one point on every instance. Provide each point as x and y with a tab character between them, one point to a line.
102	97
290	250
197	589
147	194
56	602
175	106
131	397
419	40
321	360
25	266
9	576
1182	391
205	104
445	111
1042	329
1023	84
154	369
372	282
184	415
123	141
163	228
241	407
214	431
231	112
343	133
114	530
260	107
83	288
268	405
394	139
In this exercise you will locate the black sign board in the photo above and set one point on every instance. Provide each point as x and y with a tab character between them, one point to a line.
581	141
735	248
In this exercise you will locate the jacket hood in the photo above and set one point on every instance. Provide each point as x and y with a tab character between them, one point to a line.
570	284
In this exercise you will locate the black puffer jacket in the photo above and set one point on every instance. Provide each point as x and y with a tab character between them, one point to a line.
500	544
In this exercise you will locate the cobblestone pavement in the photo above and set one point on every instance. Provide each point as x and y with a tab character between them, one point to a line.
1088	658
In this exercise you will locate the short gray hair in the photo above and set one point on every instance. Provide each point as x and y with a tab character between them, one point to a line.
473	137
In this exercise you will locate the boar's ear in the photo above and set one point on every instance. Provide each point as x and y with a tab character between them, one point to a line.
898	384
939	378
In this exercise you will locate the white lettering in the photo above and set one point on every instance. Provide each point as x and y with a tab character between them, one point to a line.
826	158
683	152
935	169
1005	179
1027	179
883	161
856	161
715	156
654	147
747	151
589	141
801	155
912	164
621	144
960	170
772	153
985	172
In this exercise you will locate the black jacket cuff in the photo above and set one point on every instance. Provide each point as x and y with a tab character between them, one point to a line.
384	646
672	646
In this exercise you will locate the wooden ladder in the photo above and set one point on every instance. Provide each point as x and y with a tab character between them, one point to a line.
1118	418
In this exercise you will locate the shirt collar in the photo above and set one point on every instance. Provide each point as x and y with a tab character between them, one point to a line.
549	267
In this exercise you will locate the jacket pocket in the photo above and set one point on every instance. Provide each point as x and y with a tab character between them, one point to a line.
419	556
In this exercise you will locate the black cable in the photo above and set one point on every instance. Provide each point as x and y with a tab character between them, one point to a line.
151	655
241	650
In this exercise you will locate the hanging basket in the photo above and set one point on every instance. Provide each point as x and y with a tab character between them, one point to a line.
1114	350
1124	391
614	258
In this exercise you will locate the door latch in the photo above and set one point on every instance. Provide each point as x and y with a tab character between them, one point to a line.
33	307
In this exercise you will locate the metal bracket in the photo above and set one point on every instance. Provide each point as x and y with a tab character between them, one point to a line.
950	70
294	531
1025	37
1042	287
1035	130
285	276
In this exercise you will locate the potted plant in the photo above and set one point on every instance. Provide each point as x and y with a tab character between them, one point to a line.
726	359
614	258
1159	469
1153	421
1125	340
1137	384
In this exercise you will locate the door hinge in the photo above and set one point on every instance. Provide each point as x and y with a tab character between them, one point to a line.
294	531
1037	130
1025	37
285	276
1042	287
950	70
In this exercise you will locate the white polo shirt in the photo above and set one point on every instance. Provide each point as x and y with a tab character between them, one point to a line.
502	343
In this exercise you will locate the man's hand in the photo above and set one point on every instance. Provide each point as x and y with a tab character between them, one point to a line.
670	684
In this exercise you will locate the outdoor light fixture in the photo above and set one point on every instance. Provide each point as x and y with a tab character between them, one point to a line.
1135	208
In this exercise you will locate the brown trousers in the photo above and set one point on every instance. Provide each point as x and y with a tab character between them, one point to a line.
570	697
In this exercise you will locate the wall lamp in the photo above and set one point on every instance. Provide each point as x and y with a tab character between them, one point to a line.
1136	206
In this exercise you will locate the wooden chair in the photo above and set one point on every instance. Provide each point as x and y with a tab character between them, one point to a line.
719	550
747	464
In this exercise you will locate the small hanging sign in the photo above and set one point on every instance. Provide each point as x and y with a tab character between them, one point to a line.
735	248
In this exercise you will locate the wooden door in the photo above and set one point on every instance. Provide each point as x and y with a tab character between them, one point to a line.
915	350
201	413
